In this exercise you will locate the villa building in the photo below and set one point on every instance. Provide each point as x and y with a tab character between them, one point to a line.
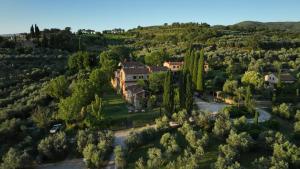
173	66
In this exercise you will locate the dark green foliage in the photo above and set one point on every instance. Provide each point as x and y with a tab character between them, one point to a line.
182	88
120	157
156	82
191	62
42	117
249	102
222	125
189	94
283	110
32	34
70	107
256	117
99	79
9	129
95	147
195	68
15	159
156	58
94	115
236	112
36	31
109	59
136	139
81	60
168	96
200	78
53	147
57	87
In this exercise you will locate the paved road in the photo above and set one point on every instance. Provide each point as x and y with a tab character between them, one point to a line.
214	107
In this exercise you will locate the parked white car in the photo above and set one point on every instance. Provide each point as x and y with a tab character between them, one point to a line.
55	128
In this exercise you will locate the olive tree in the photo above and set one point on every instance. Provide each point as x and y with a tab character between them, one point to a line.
168	141
222	125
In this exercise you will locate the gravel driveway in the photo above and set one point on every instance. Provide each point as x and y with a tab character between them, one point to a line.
214	107
120	137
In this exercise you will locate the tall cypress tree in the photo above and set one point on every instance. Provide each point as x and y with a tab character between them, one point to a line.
249	102
189	94
200	86
195	68
186	60
168	96
32	32
36	31
191	62
182	80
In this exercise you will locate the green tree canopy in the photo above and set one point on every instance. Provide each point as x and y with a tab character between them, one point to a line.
156	58
57	87
253	78
168	96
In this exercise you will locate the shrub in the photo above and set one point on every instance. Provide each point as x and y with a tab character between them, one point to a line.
136	139
9	129
162	123
119	157
222	126
168	141
94	146
297	115
15	159
240	141
53	147
155	158
283	110
85	137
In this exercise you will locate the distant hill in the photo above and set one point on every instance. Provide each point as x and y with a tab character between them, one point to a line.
285	26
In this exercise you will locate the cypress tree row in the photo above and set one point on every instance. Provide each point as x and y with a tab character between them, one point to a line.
32	31
182	90
186	60
189	94
191	62
168	96
199	85
195	68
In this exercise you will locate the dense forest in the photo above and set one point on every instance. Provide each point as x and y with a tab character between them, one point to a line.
53	76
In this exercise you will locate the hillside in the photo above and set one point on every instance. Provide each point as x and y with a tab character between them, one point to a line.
287	26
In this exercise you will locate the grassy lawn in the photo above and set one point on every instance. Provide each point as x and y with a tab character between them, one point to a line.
116	109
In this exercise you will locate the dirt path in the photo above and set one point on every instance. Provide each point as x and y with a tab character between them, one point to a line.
215	107
120	137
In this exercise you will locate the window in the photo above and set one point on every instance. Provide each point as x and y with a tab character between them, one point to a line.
134	77
174	67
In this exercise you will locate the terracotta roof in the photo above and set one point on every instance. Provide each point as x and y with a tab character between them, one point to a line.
136	70
175	63
131	64
287	77
157	68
